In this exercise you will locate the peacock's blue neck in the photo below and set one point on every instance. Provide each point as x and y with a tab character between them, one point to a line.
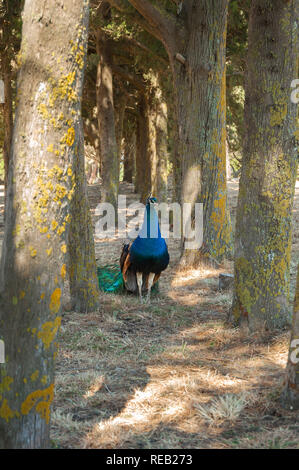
150	227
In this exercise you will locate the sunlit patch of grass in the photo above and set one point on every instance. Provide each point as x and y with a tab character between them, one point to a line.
158	403
227	407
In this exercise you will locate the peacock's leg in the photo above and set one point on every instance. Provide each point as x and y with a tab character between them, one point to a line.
139	283
150	284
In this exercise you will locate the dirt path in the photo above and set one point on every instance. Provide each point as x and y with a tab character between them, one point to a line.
171	374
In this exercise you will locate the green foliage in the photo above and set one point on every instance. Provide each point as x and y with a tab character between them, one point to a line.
119	28
237	33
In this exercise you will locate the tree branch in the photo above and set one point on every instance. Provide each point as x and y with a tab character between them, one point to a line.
162	24
132	46
149	18
133	17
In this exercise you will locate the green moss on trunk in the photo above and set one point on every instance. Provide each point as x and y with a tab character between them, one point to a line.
263	226
41	185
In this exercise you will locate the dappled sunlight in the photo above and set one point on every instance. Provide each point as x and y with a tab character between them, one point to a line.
199	381
147	409
179	396
168	374
198	297
179	392
95	387
183	299
182	278
148	227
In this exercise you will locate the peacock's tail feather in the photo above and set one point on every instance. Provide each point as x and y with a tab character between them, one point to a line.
110	278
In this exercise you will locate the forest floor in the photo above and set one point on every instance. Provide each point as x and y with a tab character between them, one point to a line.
172	373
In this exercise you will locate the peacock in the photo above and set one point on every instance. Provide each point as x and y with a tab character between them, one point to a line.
143	259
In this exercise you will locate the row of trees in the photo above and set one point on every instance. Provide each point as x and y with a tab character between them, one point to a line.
138	50
155	90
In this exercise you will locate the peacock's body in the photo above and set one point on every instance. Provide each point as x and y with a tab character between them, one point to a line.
143	260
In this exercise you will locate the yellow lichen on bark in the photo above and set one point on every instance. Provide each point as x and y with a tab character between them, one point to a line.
63	271
49	331
63	248
55	300
6	412
5	384
41	400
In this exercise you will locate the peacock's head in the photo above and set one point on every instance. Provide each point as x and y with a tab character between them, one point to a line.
151	200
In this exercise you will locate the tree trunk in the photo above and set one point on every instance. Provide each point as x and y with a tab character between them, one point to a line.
7	116
161	147
81	260
174	156
263	224
106	120
151	159
91	132
94	172
142	180
6	72
290	395
41	185
149	156
119	125
129	149
200	88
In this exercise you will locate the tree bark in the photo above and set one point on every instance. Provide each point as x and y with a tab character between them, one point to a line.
161	147
106	120
129	149
148	155
81	260
7	116
6	56
41	185
151	157
120	108
263	224
91	132
142	180
201	116
174	156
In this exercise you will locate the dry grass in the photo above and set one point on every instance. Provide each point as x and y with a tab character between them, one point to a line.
171	374
227	407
